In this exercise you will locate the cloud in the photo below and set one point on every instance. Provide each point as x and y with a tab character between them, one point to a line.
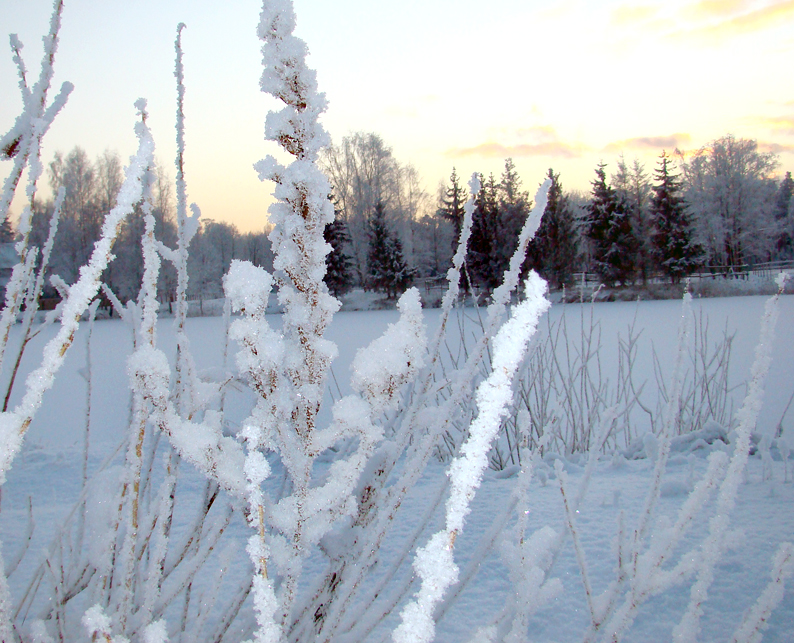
705	19
491	149
730	17
630	15
670	142
775	148
716	8
529	141
779	124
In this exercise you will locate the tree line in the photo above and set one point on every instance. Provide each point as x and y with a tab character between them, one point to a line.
719	208
90	190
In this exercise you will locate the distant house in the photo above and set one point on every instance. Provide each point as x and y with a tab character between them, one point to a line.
8	259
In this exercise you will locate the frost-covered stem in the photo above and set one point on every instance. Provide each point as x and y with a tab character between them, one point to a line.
755	620
570	520
592	457
454	273
672	412
151	271
217	457
299	217
363	620
265	600
687	630
523	557
19	282
88	387
420	454
186	229
22	136
206	541
32	298
181	186
16	48
501	295
405	431
6	622
25	140
484	549
92	308
140	411
158	546
647	578
434	563
15	424
227	320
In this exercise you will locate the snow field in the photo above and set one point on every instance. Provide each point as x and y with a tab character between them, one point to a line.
49	470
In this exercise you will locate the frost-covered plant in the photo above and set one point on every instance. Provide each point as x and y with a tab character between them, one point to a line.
711	549
343	483
565	389
15	423
434	563
22	144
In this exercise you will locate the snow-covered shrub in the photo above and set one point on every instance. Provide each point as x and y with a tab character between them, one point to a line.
570	380
153	534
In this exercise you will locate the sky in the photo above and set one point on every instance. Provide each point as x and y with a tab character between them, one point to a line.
445	83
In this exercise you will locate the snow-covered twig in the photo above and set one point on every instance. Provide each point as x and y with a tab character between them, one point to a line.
137	429
687	629
15	423
33	294
23	144
647	576
187	226
670	416
434	563
755	620
420	452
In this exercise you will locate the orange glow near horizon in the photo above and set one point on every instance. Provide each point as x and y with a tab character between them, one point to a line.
563	86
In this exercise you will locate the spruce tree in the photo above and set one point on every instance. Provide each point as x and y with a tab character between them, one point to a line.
614	244
451	204
554	248
483	260
7	230
338	264
514	207
676	252
388	271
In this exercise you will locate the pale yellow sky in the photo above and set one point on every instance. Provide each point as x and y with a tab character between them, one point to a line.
444	82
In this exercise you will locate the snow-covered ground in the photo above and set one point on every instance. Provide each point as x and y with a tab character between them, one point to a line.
49	470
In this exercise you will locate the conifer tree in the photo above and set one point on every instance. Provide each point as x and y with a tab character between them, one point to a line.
7	230
483	261
451	202
338	264
614	244
677	253
388	271
514	207
633	187
554	246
